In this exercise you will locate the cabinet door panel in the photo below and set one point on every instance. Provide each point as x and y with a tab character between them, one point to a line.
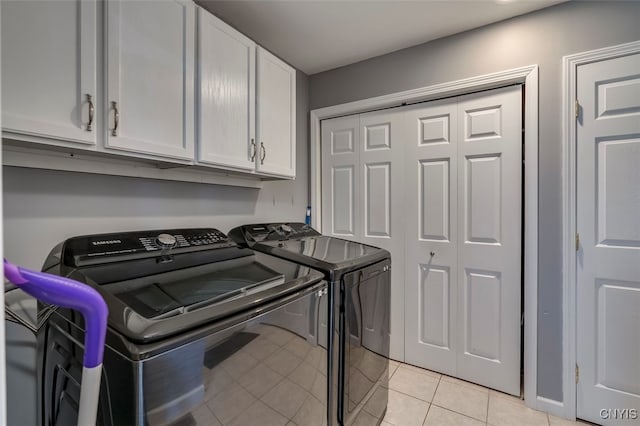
150	58
276	99
49	68
227	95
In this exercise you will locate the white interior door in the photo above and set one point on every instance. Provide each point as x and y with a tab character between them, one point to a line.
608	222
381	148
489	238
340	178
431	235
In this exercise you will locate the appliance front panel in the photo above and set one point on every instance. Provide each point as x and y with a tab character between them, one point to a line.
270	369
364	344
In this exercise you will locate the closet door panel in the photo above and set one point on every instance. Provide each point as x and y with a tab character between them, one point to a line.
341	211
429	213
489	238
381	149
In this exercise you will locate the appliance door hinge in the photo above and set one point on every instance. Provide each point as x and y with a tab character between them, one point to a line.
577	373
577	109
577	241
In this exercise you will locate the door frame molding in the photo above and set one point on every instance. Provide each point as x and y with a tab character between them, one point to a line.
570	65
527	75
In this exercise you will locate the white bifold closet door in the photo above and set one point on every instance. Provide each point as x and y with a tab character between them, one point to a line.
362	185
439	184
463	237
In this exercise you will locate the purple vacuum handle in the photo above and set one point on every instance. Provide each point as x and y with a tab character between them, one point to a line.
71	294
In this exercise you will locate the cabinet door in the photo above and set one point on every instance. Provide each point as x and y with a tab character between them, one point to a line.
226	117
276	98
49	69
150	67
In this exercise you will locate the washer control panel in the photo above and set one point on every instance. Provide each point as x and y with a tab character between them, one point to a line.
184	238
131	245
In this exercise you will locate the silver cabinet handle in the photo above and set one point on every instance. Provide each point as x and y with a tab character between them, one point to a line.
253	150
116	118
91	113
264	152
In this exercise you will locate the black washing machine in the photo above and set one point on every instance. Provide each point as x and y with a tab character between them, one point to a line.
358	312
201	332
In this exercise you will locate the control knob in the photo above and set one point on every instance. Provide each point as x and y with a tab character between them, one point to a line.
286	229
166	241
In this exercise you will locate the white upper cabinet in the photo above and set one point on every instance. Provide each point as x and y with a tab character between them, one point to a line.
150	77
49	71
140	86
276	116
226	115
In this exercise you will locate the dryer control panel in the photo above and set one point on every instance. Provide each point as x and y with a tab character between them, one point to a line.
248	234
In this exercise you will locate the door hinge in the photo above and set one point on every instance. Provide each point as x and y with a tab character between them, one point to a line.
577	109
577	374
577	241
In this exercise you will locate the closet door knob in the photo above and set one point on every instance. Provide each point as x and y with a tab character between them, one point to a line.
433	253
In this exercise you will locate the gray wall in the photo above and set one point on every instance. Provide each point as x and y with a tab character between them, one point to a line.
44	207
541	38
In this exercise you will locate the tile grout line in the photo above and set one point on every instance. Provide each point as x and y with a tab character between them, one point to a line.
440	380
431	402
460	414
488	401
415	397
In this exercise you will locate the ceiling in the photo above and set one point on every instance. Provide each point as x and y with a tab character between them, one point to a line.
316	36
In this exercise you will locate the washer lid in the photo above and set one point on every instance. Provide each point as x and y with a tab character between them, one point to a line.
186	290
163	282
153	307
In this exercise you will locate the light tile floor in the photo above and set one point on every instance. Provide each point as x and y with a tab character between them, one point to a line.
424	398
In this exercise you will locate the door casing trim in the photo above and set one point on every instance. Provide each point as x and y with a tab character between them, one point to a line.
570	65
527	75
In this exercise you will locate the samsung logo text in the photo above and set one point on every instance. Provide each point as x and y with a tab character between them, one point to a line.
105	242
